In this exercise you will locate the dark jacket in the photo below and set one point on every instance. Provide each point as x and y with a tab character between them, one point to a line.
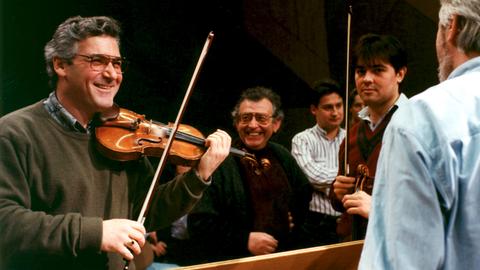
223	218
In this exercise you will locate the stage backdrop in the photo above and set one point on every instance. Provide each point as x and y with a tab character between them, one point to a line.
285	45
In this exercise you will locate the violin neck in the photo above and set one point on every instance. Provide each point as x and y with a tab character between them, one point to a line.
182	136
237	152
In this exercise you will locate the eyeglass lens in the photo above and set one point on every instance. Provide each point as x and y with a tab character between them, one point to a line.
261	118
99	62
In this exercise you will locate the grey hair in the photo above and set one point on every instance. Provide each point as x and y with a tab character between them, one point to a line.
64	43
468	13
256	94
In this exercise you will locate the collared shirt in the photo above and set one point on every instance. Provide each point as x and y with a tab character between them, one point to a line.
364	114
317	155
62	116
425	201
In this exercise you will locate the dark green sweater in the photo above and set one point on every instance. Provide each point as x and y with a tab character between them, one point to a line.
56	189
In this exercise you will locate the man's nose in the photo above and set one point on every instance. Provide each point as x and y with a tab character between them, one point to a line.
253	122
368	76
110	72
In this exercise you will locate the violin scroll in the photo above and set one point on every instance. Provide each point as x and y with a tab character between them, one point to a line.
363	180
257	167
362	176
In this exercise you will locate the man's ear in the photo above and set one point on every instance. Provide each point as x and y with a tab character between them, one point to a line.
276	124
59	66
313	110
453	29
401	74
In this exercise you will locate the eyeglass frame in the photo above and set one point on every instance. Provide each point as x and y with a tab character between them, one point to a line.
250	117
103	57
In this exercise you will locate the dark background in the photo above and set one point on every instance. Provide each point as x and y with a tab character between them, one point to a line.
163	40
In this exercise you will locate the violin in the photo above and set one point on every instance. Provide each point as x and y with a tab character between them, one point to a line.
361	184
125	135
363	175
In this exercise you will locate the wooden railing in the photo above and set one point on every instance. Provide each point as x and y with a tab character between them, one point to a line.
343	256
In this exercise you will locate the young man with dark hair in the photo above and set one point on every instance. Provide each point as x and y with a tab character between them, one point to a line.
316	152
380	67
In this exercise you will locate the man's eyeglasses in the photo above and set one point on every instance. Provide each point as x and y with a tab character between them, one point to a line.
99	62
261	118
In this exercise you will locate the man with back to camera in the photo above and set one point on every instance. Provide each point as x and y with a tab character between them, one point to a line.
425	201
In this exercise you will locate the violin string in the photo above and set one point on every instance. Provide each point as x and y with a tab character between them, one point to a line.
194	139
188	138
181	135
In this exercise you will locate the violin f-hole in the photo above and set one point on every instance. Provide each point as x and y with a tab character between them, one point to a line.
150	140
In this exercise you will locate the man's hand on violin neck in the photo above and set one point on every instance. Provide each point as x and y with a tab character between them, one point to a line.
123	236
218	144
343	185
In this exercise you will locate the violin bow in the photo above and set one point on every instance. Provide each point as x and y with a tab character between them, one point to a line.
174	129
355	218
346	166
347	88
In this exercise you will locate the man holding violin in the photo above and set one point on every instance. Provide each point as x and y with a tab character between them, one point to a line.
380	67
62	204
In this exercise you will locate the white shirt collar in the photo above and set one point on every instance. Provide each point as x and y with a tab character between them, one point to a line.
364	114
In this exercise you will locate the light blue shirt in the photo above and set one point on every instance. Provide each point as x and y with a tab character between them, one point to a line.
426	200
